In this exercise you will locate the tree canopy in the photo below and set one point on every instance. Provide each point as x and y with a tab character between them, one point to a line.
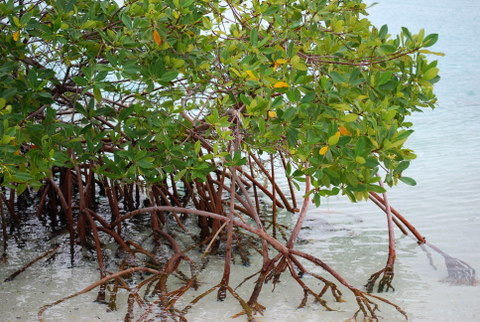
151	88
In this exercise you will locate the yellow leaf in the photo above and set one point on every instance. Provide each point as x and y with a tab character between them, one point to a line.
235	71
16	21
334	138
89	24
279	62
341	106
280	85
252	76
323	150
272	114
157	38
343	131
16	35
350	117
360	160
426	51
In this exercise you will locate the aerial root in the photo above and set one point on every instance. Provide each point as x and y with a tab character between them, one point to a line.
369	308
336	293
385	283
274	271
398	308
365	305
167	301
306	289
94	285
246	307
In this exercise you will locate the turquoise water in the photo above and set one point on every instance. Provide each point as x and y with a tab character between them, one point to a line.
446	202
352	238
445	205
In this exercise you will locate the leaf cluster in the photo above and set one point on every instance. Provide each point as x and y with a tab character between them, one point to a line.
145	90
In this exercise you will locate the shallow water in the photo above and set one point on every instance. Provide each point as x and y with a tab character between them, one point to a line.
444	206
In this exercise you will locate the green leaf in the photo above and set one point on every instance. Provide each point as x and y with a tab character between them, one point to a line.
89	24
207	23
360	160
352	117
375	188
9	93
20	188
430	40
79	80
407	33
401	166
430	74
426	51
180	175
97	94
408	181
333	139
146	163
16	21
169	76
342	107
22	177
271	10
291	49
187	3
383	77
197	147
254	37
337	78
293	94
360	147
383	31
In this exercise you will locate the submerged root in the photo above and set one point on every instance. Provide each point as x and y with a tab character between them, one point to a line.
365	306
94	285
306	290
19	271
369	308
385	283
247	309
